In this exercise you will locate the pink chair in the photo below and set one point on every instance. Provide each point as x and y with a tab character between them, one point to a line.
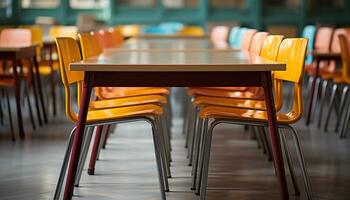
219	36
257	42
247	39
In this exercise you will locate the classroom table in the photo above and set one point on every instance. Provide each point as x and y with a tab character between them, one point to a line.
176	68
183	43
16	54
318	55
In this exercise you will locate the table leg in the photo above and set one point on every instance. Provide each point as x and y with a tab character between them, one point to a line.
274	137
312	94
18	98
36	65
36	98
78	138
52	79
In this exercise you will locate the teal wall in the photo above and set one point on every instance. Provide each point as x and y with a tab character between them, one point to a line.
256	14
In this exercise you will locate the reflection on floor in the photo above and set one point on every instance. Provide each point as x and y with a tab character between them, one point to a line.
126	169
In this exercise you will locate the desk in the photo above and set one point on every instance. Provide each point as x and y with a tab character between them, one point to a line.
318	57
15	54
174	43
159	68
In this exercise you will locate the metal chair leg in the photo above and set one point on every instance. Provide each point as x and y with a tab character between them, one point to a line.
342	107
93	156
302	163
345	127
290	163
266	141
64	165
201	156
162	154
155	133
331	104
198	136
83	154
323	100
314	103
26	92
10	116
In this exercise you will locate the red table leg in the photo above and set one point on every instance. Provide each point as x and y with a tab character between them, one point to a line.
18	98
95	149
274	137
78	138
312	93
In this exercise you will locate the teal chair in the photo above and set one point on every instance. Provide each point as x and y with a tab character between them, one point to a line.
310	33
238	41
233	35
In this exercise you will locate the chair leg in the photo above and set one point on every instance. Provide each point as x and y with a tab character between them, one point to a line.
83	154
64	165
290	164
345	127
161	151
302	164
198	136
267	143
314	103
106	136
156	133
26	92
323	100
201	155
192	126
10	116
207	148
331	105
1	109
342	107
93	156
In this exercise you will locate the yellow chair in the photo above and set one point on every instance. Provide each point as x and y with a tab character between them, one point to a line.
68	51
191	31
63	31
129	30
291	52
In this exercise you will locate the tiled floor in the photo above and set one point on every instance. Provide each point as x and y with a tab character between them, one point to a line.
126	169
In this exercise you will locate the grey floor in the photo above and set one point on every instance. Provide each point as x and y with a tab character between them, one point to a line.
126	169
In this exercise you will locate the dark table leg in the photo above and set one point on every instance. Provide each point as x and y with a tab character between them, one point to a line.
78	138
274	137
52	79
18	98
312	94
36	98
36	65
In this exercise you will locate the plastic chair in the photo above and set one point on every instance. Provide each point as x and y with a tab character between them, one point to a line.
191	31
291	52
118	36
219	34
15	37
63	31
106	39
247	39
238	42
234	35
129	30
68	51
341	78
309	32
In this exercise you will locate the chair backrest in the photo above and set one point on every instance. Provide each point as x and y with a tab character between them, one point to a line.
233	35
106	39
292	52
89	45
309	32
247	39
63	31
345	55
335	46
37	36
15	37
270	47
324	38
219	34
192	31
68	52
129	30
118	36
238	42
257	42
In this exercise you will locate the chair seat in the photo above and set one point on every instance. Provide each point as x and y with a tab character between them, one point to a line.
228	102
118	92
7	81
150	110
128	101
245	114
249	94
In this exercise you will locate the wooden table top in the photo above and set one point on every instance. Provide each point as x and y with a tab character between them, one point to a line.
175	61
14	48
174	43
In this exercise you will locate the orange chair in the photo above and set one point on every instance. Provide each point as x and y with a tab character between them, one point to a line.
291	52
257	42
118	36
191	31
341	78
247	39
68	51
106	39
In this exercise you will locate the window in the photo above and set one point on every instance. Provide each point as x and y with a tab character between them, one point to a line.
86	4
40	3
4	3
229	3
327	3
181	3
137	3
